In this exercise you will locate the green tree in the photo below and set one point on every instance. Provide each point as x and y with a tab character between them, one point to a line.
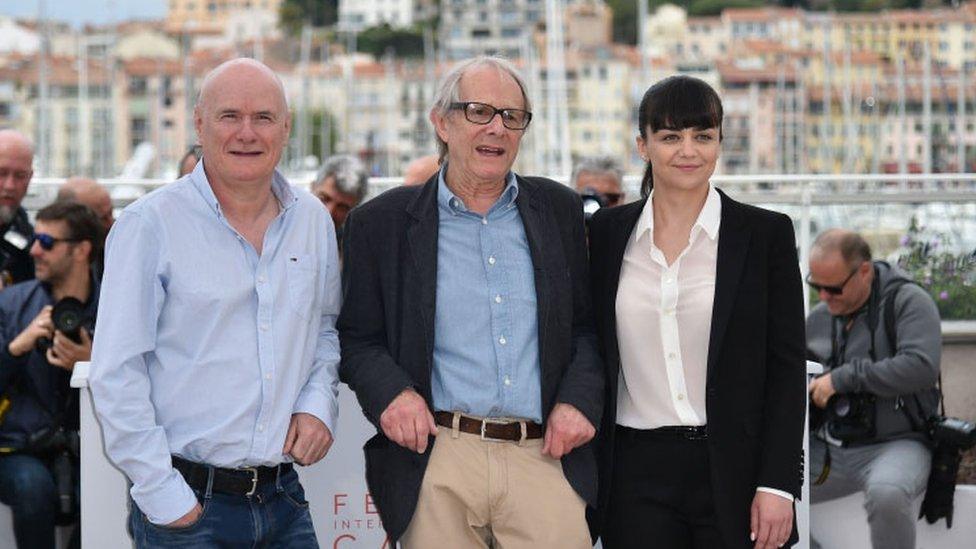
700	8
319	13
403	42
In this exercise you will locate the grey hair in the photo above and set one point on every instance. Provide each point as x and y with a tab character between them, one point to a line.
598	165
448	91
349	173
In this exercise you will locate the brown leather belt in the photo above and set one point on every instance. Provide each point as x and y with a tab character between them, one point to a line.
491	429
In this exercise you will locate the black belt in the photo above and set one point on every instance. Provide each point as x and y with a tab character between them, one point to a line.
239	482
687	432
491	429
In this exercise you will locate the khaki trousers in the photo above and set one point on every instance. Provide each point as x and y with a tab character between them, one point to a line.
502	495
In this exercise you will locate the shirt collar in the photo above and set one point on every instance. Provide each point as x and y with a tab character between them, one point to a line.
709	218
447	200
279	186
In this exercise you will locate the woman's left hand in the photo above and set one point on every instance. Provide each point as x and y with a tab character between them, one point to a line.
771	520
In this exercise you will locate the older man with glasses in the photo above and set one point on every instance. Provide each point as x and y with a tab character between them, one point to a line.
879	337
467	336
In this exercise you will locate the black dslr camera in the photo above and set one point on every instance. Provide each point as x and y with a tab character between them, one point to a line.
68	316
63	448
850	417
592	201
951	436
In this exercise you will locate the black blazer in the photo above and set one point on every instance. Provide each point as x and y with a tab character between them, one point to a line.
756	376
386	326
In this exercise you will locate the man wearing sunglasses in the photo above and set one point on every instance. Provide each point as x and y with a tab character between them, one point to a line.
893	374
16	233
600	177
36	360
467	335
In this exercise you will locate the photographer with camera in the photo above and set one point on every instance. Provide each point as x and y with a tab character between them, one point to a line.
879	337
599	181
45	328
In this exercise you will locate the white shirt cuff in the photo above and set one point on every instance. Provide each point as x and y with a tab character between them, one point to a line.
779	493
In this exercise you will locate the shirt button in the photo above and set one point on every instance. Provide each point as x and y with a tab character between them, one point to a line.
484	220
672	356
261	428
668	280
502	340
261	280
498	299
491	260
264	328
267	376
669	312
508	381
681	397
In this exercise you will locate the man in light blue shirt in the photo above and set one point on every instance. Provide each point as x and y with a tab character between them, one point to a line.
215	366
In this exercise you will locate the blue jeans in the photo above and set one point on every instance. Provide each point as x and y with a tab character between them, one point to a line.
275	517
27	486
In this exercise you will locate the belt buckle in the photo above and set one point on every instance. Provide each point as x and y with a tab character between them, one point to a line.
254	479
486	421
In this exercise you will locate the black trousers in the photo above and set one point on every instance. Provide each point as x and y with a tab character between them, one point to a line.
660	493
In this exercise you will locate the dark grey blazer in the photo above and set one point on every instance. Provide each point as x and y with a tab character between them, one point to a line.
756	372
386	327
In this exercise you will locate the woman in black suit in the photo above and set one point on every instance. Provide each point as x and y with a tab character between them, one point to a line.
699	307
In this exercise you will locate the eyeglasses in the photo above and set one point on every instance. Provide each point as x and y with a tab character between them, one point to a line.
832	290
47	241
483	113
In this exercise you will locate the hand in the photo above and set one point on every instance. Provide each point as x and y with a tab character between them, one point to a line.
188	519
821	389
65	352
771	520
308	439
566	429
408	422
26	340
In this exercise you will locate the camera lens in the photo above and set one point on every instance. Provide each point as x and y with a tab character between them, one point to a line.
68	316
842	406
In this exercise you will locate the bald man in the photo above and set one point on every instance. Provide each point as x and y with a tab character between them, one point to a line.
419	170
16	232
214	368
88	192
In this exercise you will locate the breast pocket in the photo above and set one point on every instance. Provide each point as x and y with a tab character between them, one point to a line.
302	276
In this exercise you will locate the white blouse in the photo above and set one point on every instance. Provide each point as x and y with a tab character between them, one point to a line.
664	318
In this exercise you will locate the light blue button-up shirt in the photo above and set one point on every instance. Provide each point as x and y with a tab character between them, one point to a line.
486	347
206	348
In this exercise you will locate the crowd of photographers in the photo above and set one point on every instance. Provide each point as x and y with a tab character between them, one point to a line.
877	422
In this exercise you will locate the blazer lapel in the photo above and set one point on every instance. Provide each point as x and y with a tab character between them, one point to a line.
422	239
733	241
532	210
621	228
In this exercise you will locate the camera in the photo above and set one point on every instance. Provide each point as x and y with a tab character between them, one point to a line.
63	448
951	436
850	417
68	316
952	431
592	201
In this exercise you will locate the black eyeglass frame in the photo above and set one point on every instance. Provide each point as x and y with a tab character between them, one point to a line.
47	242
832	290
463	107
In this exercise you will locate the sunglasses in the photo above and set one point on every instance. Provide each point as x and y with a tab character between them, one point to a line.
47	241
832	290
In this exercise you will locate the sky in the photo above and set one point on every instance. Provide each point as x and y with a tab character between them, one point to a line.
79	12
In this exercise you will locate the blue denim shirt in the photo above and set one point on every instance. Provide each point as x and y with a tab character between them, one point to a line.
486	349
